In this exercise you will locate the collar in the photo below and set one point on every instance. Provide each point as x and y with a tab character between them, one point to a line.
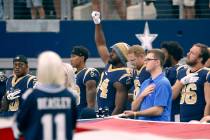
156	78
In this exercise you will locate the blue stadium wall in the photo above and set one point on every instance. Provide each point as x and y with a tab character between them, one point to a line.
72	33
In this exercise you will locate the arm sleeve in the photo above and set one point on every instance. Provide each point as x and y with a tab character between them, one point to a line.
126	81
31	82
181	74
91	74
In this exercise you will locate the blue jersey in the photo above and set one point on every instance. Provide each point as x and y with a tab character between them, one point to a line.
192	101
106	91
138	78
47	113
22	84
82	77
161	96
171	74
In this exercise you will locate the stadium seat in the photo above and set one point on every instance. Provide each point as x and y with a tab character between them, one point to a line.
82	12
134	11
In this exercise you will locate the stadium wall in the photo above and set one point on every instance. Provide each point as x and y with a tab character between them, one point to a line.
72	33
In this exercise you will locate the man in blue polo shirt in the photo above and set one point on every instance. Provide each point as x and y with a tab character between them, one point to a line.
154	99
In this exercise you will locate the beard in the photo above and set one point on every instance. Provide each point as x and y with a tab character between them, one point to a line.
114	62
191	63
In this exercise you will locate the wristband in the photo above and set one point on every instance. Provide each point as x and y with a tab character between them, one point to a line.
134	115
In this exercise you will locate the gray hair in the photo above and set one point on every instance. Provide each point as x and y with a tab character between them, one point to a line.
70	81
50	69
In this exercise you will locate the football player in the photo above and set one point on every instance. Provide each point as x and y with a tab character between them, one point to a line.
136	56
193	86
173	53
86	78
115	79
17	84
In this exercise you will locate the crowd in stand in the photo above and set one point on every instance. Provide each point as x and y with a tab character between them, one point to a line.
111	9
136	83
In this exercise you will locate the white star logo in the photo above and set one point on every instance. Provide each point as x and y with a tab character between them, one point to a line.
146	38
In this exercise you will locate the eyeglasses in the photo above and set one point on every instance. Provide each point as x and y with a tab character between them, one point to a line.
150	59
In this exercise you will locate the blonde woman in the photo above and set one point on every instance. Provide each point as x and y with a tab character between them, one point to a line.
70	81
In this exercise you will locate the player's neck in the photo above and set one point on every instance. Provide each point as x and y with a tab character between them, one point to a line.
19	76
80	68
196	67
139	67
119	65
174	62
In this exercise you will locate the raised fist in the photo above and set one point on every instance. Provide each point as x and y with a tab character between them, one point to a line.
96	17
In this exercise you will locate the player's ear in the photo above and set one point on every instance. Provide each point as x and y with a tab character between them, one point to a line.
27	67
83	58
158	61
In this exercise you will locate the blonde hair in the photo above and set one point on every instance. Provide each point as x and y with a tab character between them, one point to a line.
50	69
137	50
70	81
69	75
